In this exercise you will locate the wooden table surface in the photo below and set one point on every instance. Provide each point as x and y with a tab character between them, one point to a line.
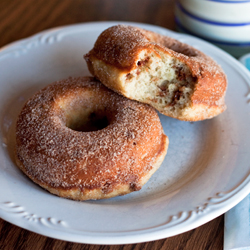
23	18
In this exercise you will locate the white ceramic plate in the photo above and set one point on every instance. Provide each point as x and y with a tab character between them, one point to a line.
205	173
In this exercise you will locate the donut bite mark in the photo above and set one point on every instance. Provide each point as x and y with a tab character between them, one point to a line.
175	78
80	140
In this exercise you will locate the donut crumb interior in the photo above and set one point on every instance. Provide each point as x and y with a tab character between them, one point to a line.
162	81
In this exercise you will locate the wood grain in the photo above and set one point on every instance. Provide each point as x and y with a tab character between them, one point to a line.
206	237
23	18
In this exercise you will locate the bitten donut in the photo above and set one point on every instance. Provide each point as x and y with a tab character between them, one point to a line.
175	78
80	140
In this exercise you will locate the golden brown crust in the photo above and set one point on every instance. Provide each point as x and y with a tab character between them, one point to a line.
118	46
115	160
117	50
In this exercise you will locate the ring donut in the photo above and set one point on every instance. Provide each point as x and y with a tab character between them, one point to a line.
175	78
80	140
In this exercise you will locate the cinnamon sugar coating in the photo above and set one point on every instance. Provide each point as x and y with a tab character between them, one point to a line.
112	160
129	51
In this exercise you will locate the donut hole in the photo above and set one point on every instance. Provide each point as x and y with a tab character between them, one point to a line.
183	50
175	45
92	122
85	117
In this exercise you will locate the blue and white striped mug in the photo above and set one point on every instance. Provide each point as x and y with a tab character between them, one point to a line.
225	23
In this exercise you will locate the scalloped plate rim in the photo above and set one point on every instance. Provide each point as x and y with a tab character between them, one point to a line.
145	234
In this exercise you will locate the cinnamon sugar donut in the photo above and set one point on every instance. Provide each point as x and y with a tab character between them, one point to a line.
80	140
175	78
